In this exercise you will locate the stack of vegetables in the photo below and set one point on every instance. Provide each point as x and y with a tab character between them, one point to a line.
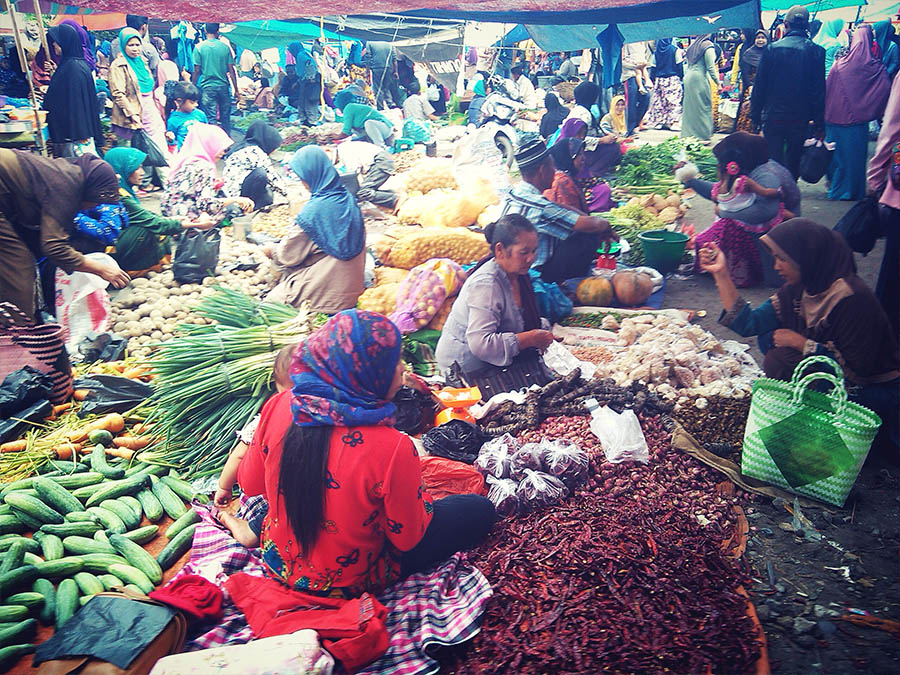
649	168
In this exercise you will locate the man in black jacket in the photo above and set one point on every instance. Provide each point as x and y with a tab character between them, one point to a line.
789	91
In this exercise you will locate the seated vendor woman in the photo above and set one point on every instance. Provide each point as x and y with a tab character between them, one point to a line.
823	308
495	317
370	521
322	259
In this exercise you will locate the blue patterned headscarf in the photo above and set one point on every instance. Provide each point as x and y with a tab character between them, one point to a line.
103	222
331	217
343	371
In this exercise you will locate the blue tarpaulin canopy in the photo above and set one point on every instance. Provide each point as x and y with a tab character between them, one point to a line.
259	35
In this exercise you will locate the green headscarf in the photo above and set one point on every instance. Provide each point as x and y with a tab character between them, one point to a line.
479	88
138	65
125	161
828	34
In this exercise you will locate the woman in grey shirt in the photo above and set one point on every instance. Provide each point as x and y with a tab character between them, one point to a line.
495	316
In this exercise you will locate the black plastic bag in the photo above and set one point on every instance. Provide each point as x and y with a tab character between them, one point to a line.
22	388
141	141
111	393
196	256
814	162
104	347
861	226
15	427
415	411
457	440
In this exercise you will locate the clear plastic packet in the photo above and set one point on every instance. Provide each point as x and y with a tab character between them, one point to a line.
495	456
566	461
502	493
526	457
539	489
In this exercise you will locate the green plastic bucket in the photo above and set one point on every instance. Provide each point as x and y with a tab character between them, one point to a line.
663	250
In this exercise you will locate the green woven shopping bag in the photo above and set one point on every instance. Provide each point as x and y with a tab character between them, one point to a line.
810	443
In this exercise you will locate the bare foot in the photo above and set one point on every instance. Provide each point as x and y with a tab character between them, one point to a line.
240	529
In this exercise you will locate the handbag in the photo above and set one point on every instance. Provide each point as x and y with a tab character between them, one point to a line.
808	442
815	160
861	225
196	256
526	369
22	343
136	632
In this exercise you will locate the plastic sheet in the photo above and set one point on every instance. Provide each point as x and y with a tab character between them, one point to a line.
21	389
111	393
445	477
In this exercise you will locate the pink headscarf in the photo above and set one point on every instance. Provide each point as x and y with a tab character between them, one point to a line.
857	87
204	142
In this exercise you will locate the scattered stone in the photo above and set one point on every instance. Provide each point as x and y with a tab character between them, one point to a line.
820	612
806	641
803	625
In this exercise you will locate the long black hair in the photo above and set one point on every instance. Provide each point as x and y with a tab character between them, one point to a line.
301	481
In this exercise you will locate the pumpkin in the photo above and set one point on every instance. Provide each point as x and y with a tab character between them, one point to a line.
632	288
595	291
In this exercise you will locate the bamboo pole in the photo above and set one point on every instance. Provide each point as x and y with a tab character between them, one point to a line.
41	32
38	128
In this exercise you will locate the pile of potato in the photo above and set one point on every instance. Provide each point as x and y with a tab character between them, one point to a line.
275	223
667	209
430	173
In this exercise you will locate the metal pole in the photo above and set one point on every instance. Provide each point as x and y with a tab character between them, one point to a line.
38	129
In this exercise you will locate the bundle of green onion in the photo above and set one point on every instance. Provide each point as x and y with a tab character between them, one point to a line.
228	307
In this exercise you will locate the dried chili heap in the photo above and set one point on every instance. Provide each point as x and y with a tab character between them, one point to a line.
624	577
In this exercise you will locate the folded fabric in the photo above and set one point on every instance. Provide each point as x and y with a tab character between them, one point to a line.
353	631
192	594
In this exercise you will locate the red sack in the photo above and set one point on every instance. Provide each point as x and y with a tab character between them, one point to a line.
446	477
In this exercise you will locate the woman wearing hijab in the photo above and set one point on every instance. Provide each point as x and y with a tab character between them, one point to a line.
697	119
85	39
104	54
749	62
823	308
248	168
142	244
193	186
73	111
586	96
480	95
553	118
310	85
322	261
369	523
13	82
39	199
856	92
890	56
665	100
131	89
613	122
831	38
568	158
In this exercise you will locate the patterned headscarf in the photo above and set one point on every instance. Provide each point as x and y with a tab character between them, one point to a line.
343	372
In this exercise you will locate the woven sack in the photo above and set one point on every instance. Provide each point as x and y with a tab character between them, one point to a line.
22	343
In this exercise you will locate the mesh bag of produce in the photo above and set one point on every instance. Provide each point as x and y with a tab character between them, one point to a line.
539	489
424	291
566	461
528	457
495	456
459	244
502	493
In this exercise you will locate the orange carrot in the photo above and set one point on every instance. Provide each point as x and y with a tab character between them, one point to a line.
80	394
132	442
124	453
14	446
141	428
113	423
61	408
66	450
136	373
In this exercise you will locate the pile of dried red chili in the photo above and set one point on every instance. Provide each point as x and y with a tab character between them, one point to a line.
616	579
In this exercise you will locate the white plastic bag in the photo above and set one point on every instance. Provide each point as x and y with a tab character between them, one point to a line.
477	154
82	303
620	435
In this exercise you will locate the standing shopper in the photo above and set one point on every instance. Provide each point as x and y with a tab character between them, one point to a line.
142	25
665	100
856	93
73	111
379	57
309	85
748	65
831	39
884	38
789	91
697	120
635	61
213	68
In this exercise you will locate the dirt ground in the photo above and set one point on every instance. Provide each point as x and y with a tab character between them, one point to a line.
852	559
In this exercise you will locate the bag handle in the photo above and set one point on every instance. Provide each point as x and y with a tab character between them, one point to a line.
838	394
13	317
812	360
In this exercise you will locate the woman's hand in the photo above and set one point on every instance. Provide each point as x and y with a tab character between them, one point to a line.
245	203
784	337
712	259
199	224
222	497
536	339
111	273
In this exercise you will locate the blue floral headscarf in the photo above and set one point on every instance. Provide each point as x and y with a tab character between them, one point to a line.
103	222
343	371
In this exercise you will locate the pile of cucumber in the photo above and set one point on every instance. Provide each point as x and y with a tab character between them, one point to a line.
87	538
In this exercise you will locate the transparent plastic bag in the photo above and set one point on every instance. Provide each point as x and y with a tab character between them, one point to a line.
502	493
566	461
525	458
539	489
620	435
495	456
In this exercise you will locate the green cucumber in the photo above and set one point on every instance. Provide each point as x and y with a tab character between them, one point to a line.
15	633
82	545
66	601
27	519
46	588
143	534
29	599
137	557
5	509
21	484
13	558
64	466
23	574
100	437
51	545
131	502
176	547
34	507
100	465
88	583
80	517
99	563
10	612
84	493
171	502
132	575
56	496
76	481
31	559
150	504
126	515
110	581
11	654
189	517
108	519
82	529
9	524
179	487
60	569
133	589
7	540
126	486
101	536
147	469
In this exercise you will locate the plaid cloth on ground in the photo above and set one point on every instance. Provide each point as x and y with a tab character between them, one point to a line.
439	607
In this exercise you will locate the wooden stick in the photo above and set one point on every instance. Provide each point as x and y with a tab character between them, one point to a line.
38	129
